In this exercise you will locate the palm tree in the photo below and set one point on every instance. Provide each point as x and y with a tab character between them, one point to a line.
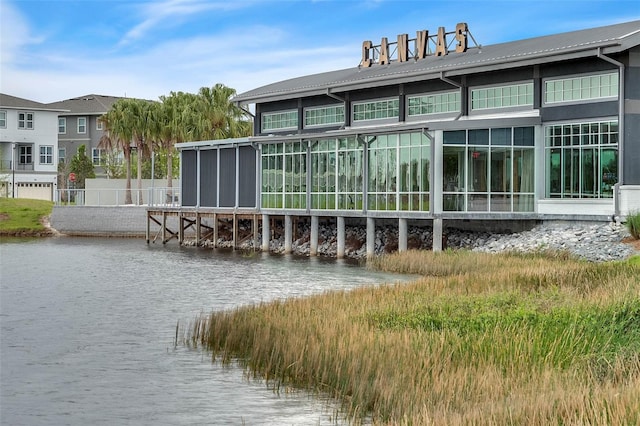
218	117
118	135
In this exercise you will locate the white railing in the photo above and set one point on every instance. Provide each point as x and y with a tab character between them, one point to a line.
161	197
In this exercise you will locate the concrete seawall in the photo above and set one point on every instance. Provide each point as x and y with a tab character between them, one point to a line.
113	221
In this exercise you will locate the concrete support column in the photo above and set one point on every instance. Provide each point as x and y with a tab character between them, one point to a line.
341	237
313	242
288	234
266	232
371	236
402	234
437	234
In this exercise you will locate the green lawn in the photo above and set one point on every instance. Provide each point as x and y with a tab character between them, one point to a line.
23	215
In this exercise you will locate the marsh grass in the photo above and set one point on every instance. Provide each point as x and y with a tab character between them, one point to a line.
479	339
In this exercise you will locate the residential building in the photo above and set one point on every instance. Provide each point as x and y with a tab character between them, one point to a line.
28	148
79	125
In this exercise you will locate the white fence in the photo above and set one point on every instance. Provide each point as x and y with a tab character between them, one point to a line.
154	196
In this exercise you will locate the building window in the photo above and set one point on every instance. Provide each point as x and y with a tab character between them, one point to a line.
82	125
273	175
25	120
323	174
399	167
99	124
62	125
376	110
3	119
437	103
581	159
46	154
515	95
581	88
280	120
97	156
62	155
25	154
489	170
324	116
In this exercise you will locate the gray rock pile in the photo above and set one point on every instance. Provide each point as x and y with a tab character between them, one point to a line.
596	242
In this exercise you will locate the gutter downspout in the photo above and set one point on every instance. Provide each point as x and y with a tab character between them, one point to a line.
456	84
621	126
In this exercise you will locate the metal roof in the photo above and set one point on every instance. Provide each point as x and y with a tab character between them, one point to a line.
86	105
571	45
14	102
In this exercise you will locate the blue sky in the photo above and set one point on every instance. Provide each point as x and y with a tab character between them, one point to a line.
56	50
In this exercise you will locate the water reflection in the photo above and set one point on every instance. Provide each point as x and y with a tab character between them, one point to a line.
88	326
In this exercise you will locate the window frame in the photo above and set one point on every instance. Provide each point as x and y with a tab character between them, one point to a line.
579	77
320	108
62	124
458	103
24	122
263	115
528	106
84	126
47	156
355	121
3	119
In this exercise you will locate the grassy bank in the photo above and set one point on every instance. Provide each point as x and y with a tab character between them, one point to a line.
21	216
480	339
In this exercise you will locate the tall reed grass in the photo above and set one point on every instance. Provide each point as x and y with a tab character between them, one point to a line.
478	339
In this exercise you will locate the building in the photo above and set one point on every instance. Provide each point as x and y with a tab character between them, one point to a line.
79	125
439	129
28	148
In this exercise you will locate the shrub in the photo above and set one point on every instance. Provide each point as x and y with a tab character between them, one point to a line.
633	224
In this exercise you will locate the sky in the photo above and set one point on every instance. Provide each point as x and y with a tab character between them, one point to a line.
56	50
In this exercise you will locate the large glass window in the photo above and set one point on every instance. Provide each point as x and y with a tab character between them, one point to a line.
273	175
324	116
399	172
323	174
489	170
436	103
295	175
581	88
280	120
514	95
46	154
376	110
581	159
25	120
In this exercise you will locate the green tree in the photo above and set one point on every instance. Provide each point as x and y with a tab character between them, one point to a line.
118	135
218	117
82	166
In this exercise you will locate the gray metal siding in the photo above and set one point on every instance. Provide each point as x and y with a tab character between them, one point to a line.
247	177
580	111
208	178
631	153
227	177
189	177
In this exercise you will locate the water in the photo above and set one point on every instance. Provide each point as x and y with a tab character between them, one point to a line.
88	327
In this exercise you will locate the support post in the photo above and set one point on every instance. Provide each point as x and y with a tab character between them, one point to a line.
148	233
198	231
215	230
266	232
402	235
180	228
371	236
235	231
341	238
437	234
255	232
287	234
164	227
313	242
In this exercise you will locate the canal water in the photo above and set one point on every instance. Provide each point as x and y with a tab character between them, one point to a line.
87	330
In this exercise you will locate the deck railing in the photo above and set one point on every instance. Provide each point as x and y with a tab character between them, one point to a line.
157	196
